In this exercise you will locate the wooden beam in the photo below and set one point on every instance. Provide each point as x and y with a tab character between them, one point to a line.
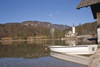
98	27
98	19
95	9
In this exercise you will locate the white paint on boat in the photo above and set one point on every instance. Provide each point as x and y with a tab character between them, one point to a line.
79	49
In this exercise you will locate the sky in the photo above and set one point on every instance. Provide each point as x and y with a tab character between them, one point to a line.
54	11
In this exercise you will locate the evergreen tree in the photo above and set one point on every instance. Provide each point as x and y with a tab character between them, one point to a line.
47	32
59	33
33	35
12	36
22	36
55	33
63	33
80	29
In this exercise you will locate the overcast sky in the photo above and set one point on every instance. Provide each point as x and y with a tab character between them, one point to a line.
53	11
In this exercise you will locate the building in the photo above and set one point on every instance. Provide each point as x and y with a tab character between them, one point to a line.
71	33
95	7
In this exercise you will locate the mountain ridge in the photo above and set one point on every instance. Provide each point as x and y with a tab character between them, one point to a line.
43	24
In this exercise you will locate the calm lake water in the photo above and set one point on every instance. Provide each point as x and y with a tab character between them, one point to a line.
33	54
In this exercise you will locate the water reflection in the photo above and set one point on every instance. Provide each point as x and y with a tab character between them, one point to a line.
22	49
31	49
78	42
80	59
71	42
33	54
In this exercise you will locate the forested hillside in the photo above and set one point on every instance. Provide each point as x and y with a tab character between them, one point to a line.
62	27
16	30
30	29
86	29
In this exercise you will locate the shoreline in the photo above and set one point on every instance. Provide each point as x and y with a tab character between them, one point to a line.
27	40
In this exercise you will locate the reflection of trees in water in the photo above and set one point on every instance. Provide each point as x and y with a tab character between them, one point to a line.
78	42
22	44
59	42
33	49
71	42
22	49
85	42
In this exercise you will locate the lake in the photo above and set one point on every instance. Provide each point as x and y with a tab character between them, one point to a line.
33	54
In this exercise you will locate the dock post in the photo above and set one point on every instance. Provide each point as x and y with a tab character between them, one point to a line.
98	27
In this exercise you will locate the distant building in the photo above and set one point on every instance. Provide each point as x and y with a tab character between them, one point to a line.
71	33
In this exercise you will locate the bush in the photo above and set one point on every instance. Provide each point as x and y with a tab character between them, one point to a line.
22	36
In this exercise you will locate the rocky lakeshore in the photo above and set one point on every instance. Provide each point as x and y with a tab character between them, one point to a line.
96	59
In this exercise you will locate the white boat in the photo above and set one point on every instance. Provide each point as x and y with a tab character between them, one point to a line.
84	60
79	49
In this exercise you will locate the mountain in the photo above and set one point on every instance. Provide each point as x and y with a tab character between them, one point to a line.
62	27
14	23
37	23
42	24
45	24
29	28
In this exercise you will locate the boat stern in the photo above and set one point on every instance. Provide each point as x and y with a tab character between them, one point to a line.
92	49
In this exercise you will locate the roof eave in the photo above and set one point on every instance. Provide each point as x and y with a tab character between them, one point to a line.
81	7
78	7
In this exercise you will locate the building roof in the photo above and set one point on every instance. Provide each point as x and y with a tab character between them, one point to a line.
85	3
73	25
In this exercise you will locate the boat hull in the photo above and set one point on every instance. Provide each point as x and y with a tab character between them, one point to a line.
80	49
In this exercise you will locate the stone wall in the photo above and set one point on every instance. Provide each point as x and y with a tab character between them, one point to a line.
96	60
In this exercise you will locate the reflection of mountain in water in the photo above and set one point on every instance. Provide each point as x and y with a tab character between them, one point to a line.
33	49
22	49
